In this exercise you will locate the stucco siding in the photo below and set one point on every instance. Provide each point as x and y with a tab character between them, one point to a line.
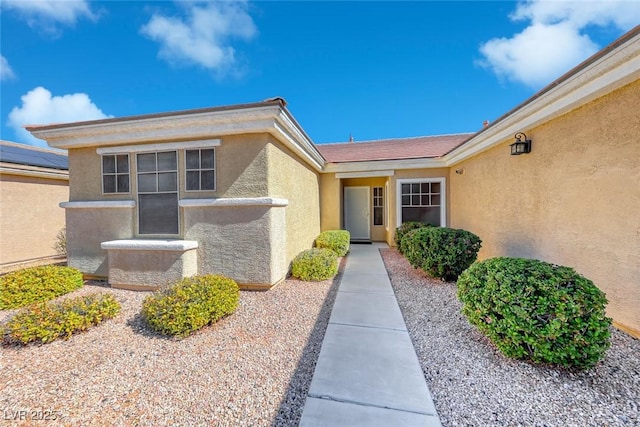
291	179
330	202
30	217
574	200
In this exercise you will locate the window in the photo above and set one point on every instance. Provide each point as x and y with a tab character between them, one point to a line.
422	201
158	192
200	170
115	173
378	206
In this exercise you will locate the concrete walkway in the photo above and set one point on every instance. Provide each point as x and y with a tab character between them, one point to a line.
368	372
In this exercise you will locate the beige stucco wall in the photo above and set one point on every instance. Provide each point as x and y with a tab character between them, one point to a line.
574	200
30	216
290	178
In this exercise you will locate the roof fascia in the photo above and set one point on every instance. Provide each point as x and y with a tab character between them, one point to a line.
184	127
612	71
384	165
33	171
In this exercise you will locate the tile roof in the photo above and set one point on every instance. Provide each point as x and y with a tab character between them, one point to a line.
392	149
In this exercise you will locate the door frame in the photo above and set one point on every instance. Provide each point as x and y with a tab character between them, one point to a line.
366	190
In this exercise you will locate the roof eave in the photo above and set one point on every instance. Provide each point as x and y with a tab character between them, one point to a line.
610	69
267	117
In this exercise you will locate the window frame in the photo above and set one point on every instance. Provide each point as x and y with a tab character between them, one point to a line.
156	172
443	196
374	206
102	173
215	169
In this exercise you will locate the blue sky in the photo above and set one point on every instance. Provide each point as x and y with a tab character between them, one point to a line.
371	69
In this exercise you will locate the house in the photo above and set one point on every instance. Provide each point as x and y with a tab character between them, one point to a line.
240	190
33	182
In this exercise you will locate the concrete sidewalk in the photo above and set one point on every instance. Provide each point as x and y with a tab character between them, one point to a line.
368	372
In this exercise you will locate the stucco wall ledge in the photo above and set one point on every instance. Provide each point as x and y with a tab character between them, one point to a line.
150	245
233	202
99	204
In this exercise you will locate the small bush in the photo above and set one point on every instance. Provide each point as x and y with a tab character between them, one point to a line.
190	304
442	252
404	228
536	311
315	264
46	321
61	242
37	284
336	240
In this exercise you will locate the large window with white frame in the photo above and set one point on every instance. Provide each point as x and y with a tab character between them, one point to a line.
158	211
422	200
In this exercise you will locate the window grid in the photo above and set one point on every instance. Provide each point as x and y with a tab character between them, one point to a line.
160	179
378	206
115	174
200	170
421	194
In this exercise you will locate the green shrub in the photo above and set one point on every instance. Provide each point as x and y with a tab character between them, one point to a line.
405	228
37	284
46	321
536	311
336	240
190	304
442	252
315	264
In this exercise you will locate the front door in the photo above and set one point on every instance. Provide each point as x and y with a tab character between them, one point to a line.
357	212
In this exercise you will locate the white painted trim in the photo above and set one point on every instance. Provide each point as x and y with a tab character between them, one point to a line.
164	146
99	204
370	174
285	137
150	245
443	197
233	202
383	165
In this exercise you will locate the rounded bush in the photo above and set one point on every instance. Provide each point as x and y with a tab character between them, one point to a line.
536	311
45	321
190	304
336	240
441	252
405	228
315	264
37	284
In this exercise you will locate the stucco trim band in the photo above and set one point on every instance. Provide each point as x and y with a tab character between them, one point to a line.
371	174
233	202
150	245
165	146
99	204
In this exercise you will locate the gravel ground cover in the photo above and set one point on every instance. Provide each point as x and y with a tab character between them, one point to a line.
252	368
474	385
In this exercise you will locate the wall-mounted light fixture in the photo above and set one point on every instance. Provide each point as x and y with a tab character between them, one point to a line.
460	171
522	145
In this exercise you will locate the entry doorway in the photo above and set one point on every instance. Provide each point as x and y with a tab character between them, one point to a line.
357	212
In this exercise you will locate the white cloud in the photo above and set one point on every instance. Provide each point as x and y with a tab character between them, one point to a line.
202	36
39	107
6	72
555	40
46	15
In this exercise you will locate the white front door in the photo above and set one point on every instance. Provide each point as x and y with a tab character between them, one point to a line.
356	212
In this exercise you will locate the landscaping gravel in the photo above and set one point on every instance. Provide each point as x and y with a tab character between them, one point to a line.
474	385
252	368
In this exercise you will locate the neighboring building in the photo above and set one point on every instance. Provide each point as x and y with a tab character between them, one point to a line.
247	187
33	182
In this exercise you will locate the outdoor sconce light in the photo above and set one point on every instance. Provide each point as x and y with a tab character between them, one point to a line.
521	145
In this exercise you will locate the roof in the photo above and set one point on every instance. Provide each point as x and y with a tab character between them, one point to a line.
23	154
392	149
